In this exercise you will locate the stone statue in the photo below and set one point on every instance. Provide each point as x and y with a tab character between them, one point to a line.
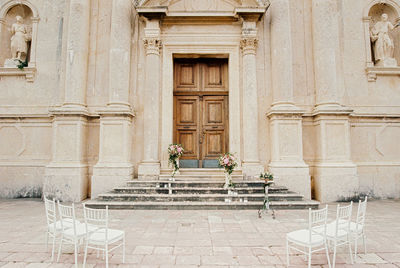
19	47
384	46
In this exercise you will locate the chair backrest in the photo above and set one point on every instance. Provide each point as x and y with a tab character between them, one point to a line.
343	218
317	221
67	213
362	210
51	214
96	218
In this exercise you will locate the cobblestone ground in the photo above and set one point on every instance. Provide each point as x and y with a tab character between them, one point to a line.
195	238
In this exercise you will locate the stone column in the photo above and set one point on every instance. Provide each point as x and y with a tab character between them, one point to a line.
150	166
248	44
335	175
114	166
66	175
285	118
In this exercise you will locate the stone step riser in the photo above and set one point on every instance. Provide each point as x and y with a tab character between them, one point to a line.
186	191
195	184
189	206
195	198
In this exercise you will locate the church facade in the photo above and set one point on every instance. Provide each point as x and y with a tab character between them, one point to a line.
93	92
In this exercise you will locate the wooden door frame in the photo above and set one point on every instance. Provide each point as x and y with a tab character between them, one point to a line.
201	92
229	49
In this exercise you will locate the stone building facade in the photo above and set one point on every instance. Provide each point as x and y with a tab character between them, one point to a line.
296	87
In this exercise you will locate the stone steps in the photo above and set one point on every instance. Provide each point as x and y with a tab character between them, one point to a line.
198	193
201	205
197	183
197	197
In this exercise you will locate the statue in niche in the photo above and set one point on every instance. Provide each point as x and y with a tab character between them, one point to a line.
19	46
19	43
383	44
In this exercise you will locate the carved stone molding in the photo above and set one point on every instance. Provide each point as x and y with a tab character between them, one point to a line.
152	45
249	45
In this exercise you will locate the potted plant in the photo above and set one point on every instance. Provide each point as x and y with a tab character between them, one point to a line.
267	177
228	162
175	151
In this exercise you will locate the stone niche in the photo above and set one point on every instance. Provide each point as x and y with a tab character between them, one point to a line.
18	31
390	65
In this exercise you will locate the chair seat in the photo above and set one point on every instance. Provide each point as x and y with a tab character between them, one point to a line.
353	226
80	230
303	236
67	224
99	236
331	230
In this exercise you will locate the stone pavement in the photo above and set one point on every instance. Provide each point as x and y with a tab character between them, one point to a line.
195	238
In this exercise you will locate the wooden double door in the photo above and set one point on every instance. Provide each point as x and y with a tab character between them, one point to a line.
201	110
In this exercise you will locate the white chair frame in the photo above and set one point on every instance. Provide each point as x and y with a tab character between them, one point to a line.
72	235
53	226
357	228
338	232
102	237
316	230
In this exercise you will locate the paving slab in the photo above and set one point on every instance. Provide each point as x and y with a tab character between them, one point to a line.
199	238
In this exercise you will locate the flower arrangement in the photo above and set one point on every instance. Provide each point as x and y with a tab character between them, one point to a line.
267	176
228	162
175	151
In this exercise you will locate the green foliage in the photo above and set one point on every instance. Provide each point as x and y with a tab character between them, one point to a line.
22	64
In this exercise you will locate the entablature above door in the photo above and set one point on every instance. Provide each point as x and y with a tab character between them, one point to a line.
204	8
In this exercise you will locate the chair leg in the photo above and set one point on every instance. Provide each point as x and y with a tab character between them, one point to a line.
309	257
351	254
334	255
355	247
59	248
106	252
287	253
327	254
76	253
365	245
54	244
86	249
47	241
123	249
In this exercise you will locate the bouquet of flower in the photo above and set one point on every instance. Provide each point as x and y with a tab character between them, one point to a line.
267	176
227	161
175	151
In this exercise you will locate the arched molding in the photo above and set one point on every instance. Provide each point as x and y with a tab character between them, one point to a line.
393	3
8	5
371	70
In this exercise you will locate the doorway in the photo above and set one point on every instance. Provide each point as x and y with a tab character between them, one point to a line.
201	110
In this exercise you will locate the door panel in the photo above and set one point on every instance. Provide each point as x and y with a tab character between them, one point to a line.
201	110
187	76
215	76
214	121
186	124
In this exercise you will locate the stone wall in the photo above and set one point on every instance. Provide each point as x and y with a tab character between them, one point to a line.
293	65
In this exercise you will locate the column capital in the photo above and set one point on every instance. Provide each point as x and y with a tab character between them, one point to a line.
249	45
153	45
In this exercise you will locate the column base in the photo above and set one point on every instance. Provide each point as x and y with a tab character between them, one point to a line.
66	182
335	182
252	170
149	171
107	176
294	175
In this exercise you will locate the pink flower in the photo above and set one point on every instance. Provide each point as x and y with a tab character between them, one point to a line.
226	161
179	149
172	147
